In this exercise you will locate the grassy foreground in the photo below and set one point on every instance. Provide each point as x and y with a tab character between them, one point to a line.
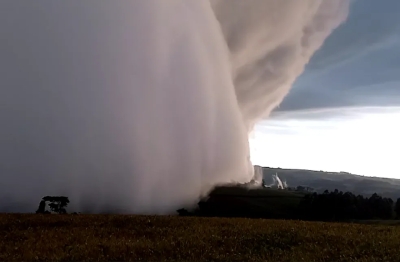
170	238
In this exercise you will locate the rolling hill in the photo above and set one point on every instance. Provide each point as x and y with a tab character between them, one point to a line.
320	181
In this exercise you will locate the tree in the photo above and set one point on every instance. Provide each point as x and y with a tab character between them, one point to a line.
42	207
339	206
57	204
397	208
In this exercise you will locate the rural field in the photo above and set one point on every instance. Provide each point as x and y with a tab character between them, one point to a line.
171	238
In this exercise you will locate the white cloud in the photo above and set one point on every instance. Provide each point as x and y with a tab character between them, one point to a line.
363	140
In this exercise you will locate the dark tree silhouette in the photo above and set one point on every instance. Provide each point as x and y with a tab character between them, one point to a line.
327	206
397	208
337	206
57	204
42	207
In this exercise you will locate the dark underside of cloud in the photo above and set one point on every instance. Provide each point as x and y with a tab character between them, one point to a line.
359	64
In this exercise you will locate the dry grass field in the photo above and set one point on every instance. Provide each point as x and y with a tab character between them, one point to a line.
171	238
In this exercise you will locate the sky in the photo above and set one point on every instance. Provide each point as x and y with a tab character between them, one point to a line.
343	112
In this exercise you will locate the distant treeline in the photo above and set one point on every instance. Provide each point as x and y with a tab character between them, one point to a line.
326	206
338	206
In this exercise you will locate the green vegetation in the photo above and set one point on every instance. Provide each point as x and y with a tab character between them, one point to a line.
173	238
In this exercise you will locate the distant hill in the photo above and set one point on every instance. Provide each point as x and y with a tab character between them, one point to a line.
320	181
